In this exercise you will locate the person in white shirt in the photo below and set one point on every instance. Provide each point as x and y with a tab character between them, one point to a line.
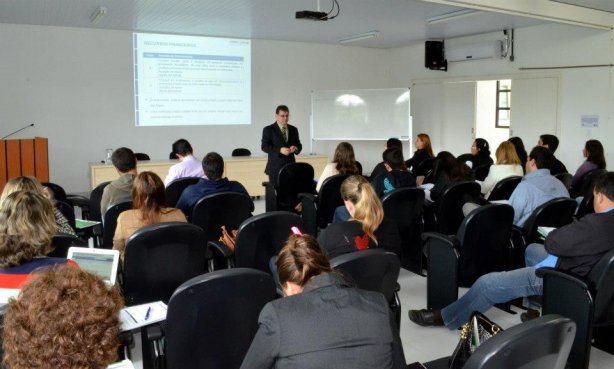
189	166
508	164
344	162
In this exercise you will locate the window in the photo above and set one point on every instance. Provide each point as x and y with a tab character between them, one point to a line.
503	110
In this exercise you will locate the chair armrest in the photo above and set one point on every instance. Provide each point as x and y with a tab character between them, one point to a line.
554	273
78	200
219	248
264	184
308	196
518	231
451	240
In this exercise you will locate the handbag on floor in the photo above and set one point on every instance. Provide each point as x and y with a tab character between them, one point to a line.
473	333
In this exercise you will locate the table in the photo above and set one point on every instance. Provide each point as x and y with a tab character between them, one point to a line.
248	170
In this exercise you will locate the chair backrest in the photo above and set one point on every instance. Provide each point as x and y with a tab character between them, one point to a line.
262	236
481	171
294	178
58	191
61	242
329	198
554	213
213	318
95	197
565	178
585	206
173	191
450	213
68	211
585	187
110	222
602	276
484	236
241	152
159	258
227	209
403	206
542	343
372	270
141	156
504	188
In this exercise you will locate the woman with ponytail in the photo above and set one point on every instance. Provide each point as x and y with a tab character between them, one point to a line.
148	207
365	228
322	322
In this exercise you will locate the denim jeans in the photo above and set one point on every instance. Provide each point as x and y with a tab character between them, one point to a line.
495	288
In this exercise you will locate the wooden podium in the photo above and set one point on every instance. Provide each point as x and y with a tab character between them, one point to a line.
26	157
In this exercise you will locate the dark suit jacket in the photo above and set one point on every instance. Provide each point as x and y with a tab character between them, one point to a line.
272	142
328	325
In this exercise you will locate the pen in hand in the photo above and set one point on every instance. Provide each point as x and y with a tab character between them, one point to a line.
148	313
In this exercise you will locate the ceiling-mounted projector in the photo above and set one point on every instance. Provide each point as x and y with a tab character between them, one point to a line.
311	15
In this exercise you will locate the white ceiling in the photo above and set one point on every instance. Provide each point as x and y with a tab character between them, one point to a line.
399	22
604	5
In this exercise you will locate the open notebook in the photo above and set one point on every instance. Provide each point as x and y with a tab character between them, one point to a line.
101	262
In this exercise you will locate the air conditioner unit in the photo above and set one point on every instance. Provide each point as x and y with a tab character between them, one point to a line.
482	50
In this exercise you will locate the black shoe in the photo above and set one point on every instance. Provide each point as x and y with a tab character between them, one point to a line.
529	315
426	318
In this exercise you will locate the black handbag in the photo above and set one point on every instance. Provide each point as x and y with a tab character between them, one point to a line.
473	333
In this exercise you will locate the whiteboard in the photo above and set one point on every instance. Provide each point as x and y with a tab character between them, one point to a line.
374	114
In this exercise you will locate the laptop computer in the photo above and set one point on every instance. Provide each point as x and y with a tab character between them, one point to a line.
102	262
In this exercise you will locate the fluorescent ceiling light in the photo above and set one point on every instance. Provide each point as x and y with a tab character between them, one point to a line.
359	37
451	16
98	14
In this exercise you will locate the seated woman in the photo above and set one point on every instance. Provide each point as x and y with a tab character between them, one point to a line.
63	318
343	163
480	154
26	228
395	175
595	159
365	227
447	171
323	322
423	151
508	164
32	184
520	150
148	207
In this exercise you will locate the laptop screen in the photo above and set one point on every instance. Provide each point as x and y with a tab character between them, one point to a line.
102	264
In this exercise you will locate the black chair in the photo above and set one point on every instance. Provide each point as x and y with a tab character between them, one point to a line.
585	206
403	206
450	212
241	152
293	178
586	184
542	343
481	171
68	211
554	213
504	188
173	191
61	242
259	238
213	318
94	202
481	246
159	258
587	301
227	209
565	178
140	156
373	270
58	191
318	210
110	222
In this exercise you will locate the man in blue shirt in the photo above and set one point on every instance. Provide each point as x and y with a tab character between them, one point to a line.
537	187
213	166
575	248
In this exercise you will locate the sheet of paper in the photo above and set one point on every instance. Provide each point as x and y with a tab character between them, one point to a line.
124	364
136	316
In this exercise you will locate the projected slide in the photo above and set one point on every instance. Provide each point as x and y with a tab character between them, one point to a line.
188	80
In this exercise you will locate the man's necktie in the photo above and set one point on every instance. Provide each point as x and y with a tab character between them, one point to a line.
284	134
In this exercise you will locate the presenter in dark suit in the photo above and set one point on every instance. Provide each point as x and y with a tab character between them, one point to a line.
281	142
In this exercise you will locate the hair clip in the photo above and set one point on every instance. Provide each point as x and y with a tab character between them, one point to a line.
296	231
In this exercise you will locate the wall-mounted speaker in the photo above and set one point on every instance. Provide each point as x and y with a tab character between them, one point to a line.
434	57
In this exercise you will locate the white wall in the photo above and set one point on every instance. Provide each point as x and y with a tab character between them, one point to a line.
582	90
486	99
76	85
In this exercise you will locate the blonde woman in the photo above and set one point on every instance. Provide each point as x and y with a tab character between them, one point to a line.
344	162
508	164
365	227
33	185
